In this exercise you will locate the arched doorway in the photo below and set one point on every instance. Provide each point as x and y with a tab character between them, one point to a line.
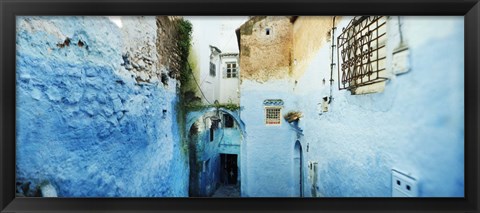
298	169
214	138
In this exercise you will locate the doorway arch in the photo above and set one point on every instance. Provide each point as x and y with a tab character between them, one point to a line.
194	116
215	137
298	170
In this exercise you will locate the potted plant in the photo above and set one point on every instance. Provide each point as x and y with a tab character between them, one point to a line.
292	116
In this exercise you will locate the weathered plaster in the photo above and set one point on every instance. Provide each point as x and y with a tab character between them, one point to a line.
416	125
310	34
84	122
265	57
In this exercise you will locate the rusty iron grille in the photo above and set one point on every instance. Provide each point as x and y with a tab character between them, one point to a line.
361	52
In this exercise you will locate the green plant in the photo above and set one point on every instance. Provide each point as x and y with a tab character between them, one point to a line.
184	29
184	37
229	106
198	106
183	42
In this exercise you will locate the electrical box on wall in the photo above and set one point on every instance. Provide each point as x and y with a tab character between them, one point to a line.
401	60
325	104
403	185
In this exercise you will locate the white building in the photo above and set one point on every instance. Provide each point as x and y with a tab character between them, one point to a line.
224	75
215	58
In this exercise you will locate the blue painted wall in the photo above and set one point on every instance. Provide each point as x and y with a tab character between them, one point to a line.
83	123
268	149
230	143
416	125
225	141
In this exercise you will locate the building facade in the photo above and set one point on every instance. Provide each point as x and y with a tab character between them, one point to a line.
223	77
214	136
214	59
352	106
215	133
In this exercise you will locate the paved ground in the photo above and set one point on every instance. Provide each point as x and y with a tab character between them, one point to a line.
227	191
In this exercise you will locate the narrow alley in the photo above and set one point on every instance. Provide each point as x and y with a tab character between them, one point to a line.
240	106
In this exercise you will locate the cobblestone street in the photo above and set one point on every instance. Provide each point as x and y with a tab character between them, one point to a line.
227	191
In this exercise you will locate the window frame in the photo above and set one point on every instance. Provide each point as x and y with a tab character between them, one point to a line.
357	72
231	70
266	108
213	69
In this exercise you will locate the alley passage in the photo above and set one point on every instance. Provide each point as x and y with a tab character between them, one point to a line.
227	191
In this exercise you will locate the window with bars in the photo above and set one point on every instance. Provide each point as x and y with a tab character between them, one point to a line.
272	115
362	53
212	69
232	71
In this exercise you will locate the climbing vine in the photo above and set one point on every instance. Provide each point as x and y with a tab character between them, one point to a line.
199	106
184	37
184	32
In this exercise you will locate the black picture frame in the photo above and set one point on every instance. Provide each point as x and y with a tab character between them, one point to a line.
470	9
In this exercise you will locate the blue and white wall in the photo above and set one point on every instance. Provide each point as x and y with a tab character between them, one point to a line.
268	150
207	158
416	125
84	123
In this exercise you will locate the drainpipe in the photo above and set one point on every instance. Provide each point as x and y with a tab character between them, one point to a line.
332	65
400	30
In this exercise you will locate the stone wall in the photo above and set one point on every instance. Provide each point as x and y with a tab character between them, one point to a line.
93	119
265	57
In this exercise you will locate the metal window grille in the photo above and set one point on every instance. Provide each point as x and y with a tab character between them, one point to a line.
231	70
362	53
272	116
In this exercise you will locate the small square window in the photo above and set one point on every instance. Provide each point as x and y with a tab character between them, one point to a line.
232	71
272	115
